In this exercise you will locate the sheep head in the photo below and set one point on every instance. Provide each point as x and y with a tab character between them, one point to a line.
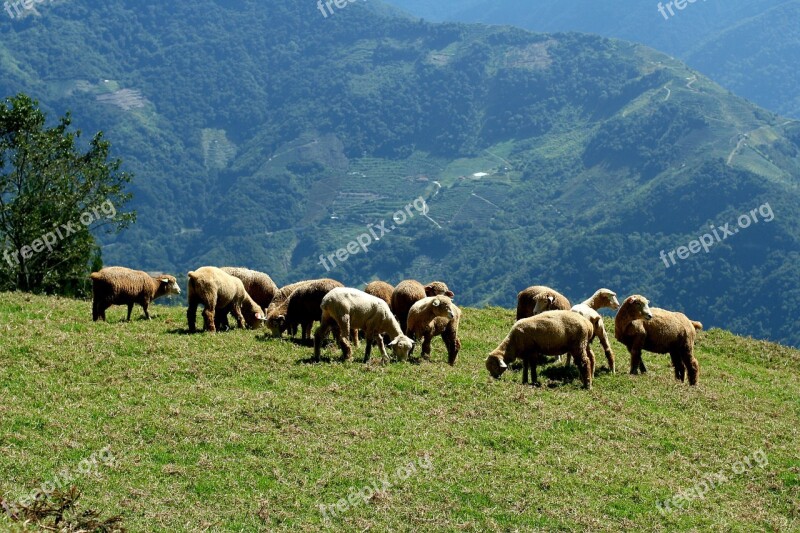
276	324
401	347
253	314
608	298
167	285
640	307
438	288
496	365
443	307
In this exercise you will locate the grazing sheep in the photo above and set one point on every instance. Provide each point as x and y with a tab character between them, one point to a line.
537	299
301	308
258	285
641	327
448	329
408	292
217	291
123	286
548	333
276	308
422	317
344	309
600	299
381	289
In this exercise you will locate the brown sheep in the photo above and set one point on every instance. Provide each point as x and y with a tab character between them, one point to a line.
538	298
218	290
448	329
123	286
423	314
548	333
277	307
381	289
408	292
301	308
641	327
258	285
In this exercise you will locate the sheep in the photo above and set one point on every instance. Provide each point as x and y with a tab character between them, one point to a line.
344	309
123	286
448	329
641	327
217	291
381	289
422	317
548	333
536	299
410	291
258	285
588	308
301	307
276	308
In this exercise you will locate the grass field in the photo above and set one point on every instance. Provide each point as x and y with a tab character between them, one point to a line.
235	432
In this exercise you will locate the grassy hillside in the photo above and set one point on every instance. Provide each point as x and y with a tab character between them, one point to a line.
232	432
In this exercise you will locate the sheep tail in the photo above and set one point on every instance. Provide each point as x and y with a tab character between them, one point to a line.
697	325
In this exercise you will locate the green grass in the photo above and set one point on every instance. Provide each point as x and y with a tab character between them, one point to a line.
234	432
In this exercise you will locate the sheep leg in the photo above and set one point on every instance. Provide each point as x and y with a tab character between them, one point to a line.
381	346
354	337
590	356
603	336
145	305
525	365
368	348
237	312
208	319
191	316
95	310
677	365
636	360
567	361
426	345
130	309
453	344
342	333
319	335
692	367
585	366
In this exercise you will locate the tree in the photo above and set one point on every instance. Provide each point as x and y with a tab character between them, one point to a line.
52	195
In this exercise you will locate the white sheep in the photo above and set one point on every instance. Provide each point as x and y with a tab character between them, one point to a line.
588	308
345	309
548	333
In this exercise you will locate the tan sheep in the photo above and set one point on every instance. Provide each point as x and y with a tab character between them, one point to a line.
258	285
123	286
344	309
536	299
422	317
408	292
641	327
301	308
588	308
218	290
448	329
381	289
548	333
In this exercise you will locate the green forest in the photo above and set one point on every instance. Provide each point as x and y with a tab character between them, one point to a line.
267	135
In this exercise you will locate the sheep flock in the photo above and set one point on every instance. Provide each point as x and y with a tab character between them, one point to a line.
399	317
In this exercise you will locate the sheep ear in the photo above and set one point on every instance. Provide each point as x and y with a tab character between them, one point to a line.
392	343
551	298
436	302
259	316
502	363
164	280
450	294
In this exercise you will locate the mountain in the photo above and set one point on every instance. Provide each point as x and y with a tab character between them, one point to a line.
750	47
275	136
